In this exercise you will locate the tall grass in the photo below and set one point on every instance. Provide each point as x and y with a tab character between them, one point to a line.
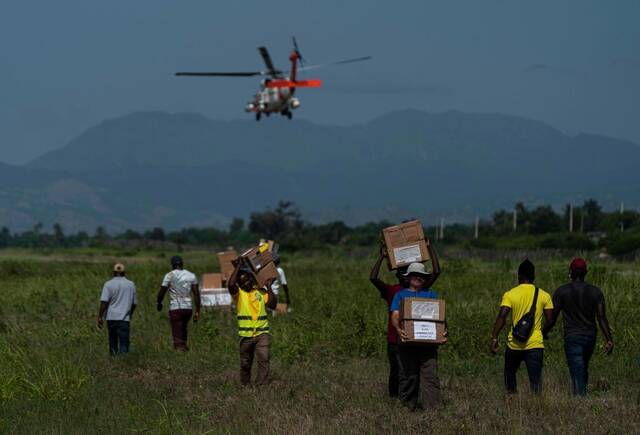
328	357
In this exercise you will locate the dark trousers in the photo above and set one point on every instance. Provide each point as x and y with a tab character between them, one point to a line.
179	320
118	336
578	350
259	346
394	369
418	376
533	360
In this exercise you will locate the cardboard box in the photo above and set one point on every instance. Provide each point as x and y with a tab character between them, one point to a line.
212	292
405	244
424	331
423	320
211	281
267	272
422	309
256	259
216	298
271	245
226	266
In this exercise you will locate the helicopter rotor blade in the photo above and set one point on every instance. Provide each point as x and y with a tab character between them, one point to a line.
297	50
266	57
221	74
340	62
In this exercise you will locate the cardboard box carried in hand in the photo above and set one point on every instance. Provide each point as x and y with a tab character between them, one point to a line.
212	292
423	320
226	266
405	244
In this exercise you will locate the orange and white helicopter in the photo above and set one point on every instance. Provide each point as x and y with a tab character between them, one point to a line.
276	90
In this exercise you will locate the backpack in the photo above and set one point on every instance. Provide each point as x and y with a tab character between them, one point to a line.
523	329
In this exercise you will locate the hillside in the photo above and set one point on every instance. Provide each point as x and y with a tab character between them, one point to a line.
154	168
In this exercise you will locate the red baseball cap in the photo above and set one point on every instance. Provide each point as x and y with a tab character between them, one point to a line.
578	264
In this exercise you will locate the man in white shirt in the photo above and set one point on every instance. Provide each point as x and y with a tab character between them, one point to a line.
281	283
182	286
117	304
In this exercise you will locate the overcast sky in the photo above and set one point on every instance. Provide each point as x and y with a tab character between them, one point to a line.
67	65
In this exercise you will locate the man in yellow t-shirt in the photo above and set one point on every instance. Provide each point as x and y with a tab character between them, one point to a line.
518	302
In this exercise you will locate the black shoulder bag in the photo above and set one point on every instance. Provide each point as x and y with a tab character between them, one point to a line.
523	329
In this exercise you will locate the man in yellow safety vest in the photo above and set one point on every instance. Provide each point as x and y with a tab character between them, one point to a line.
253	323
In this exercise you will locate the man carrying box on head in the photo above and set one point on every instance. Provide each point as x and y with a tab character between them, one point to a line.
181	285
253	323
418	363
528	305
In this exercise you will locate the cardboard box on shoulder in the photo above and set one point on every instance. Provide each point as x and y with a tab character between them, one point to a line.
212	292
423	320
266	273
256	259
405	244
226	266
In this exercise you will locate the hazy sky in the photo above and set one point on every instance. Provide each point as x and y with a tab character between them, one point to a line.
67	65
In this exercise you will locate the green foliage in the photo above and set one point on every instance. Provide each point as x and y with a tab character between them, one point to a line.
328	355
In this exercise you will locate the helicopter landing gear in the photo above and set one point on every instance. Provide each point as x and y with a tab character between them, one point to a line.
258	116
288	114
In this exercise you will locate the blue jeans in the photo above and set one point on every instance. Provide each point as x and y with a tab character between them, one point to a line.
578	350
533	359
118	336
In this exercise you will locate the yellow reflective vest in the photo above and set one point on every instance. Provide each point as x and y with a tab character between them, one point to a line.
252	312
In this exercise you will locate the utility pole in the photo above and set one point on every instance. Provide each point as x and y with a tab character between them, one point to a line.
622	217
441	228
477	232
570	218
582	219
515	220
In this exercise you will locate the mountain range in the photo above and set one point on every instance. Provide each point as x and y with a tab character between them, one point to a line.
151	169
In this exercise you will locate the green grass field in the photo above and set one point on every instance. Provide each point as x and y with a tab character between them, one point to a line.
328	360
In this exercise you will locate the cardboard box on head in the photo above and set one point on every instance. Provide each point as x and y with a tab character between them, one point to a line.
423	320
405	244
226	266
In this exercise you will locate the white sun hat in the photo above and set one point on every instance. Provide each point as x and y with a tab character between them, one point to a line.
417	268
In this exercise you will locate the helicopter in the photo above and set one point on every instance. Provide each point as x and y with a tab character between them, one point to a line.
277	89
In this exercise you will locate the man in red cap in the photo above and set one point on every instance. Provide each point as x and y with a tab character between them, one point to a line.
581	303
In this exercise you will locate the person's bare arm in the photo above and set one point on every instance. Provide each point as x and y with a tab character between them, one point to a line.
395	321
195	291
549	320
285	287
501	320
232	282
163	290
435	273
272	301
601	314
101	310
374	277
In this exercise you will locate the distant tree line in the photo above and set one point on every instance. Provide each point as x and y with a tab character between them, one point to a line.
540	227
